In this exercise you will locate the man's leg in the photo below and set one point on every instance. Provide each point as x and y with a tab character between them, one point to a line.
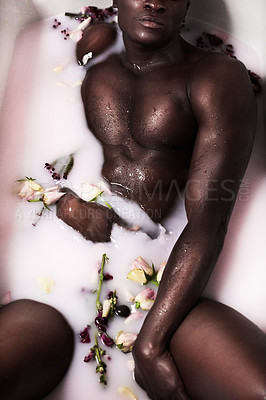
36	346
220	354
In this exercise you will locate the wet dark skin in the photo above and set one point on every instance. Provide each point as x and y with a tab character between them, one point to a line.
36	347
168	116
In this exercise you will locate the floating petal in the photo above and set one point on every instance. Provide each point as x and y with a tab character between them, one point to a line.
127	392
46	284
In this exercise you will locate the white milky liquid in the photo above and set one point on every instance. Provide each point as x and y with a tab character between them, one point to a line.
44	119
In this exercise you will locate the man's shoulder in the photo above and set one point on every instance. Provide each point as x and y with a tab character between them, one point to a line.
102	74
217	68
219	82
105	66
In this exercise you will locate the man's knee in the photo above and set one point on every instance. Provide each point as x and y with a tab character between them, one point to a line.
35	341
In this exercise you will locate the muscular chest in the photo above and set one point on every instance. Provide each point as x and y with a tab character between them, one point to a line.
153	110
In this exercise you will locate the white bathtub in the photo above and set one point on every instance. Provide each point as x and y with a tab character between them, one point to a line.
240	275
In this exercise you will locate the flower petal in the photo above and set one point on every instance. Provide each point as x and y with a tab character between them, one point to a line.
28	189
127	392
89	191
160	271
146	305
106	308
46	284
140	263
137	275
51	197
133	317
125	340
76	35
83	25
146	294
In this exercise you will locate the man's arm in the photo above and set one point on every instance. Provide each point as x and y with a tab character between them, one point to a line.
224	106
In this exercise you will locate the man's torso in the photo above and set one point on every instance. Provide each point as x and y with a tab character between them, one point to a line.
146	126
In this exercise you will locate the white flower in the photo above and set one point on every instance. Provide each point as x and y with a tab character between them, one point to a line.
106	308
29	189
90	191
145	299
51	195
125	340
160	272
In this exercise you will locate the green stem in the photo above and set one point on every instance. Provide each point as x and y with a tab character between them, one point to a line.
99	305
79	15
72	15
34	201
154	282
97	350
101	367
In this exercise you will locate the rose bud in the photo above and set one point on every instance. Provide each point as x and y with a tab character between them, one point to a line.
145	299
125	341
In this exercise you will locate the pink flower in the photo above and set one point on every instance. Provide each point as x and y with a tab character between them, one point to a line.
145	299
139	271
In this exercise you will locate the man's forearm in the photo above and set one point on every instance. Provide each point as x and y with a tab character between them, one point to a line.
187	272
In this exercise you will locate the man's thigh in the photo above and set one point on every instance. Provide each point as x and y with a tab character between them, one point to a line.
220	354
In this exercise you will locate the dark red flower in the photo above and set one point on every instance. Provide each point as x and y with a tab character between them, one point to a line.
106	340
85	335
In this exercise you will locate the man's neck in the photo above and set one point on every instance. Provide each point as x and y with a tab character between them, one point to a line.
142	58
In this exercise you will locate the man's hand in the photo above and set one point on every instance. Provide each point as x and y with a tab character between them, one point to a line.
156	373
92	220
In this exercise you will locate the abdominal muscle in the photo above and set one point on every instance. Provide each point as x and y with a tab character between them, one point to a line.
154	179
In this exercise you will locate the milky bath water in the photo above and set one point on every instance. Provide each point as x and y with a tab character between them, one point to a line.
43	117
